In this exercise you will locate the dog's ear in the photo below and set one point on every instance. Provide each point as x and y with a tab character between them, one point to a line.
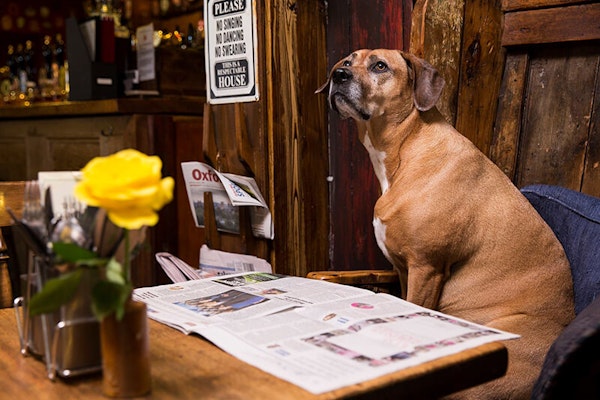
427	82
324	86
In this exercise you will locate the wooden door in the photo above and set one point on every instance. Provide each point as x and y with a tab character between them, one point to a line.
353	187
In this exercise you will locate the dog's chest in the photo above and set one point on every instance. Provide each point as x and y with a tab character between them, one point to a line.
380	230
378	160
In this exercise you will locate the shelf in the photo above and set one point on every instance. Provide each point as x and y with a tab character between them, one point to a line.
174	105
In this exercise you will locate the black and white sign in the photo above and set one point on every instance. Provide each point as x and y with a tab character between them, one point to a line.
230	51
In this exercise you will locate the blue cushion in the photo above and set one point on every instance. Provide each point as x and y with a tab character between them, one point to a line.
571	369
575	219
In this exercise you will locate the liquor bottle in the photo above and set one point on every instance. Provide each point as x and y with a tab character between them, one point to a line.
59	50
6	75
177	38
59	58
21	71
29	60
11	61
190	38
47	56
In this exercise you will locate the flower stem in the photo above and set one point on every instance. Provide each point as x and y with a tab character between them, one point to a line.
126	261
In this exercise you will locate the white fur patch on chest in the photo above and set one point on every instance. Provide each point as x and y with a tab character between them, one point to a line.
380	228
377	159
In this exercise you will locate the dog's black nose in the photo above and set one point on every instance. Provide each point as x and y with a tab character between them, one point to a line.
341	75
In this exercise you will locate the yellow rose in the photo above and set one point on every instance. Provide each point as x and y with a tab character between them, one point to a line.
128	186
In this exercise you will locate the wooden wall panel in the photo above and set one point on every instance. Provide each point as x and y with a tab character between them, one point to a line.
507	129
556	121
481	66
312	134
81	151
299	137
511	5
591	173
188	145
461	38
435	36
43	144
13	151
552	25
155	134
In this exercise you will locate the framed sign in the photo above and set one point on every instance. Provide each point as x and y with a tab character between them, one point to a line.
230	46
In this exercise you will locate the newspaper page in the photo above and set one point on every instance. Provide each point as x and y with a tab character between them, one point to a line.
317	335
192	305
229	191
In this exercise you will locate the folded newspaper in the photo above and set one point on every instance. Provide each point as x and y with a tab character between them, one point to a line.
317	335
212	263
229	191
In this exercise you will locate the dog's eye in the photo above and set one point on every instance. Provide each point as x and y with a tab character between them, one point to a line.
346	63
380	66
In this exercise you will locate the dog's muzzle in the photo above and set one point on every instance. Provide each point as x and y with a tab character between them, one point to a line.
343	95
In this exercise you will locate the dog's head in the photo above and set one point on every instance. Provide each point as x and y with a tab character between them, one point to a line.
370	83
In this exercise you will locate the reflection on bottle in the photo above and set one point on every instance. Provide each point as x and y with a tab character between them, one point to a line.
59	50
21	72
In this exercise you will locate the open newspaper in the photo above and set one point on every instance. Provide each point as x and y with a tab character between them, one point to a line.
229	191
317	335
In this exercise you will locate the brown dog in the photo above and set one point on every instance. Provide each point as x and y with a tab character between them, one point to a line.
462	237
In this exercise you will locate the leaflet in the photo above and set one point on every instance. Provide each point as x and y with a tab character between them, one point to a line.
318	335
229	191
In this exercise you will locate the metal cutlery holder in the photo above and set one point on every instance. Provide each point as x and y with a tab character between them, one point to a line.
68	340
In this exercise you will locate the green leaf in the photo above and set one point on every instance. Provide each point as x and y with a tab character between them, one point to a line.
71	252
92	262
114	272
109	297
55	293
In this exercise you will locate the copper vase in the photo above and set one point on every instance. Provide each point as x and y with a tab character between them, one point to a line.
126	353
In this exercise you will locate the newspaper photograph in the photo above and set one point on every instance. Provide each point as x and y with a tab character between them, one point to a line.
318	335
229	191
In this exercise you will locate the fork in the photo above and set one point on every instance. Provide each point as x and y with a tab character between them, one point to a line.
33	210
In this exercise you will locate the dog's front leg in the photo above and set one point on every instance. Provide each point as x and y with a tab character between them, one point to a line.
424	286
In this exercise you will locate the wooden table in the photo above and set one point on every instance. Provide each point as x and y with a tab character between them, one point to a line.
189	367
